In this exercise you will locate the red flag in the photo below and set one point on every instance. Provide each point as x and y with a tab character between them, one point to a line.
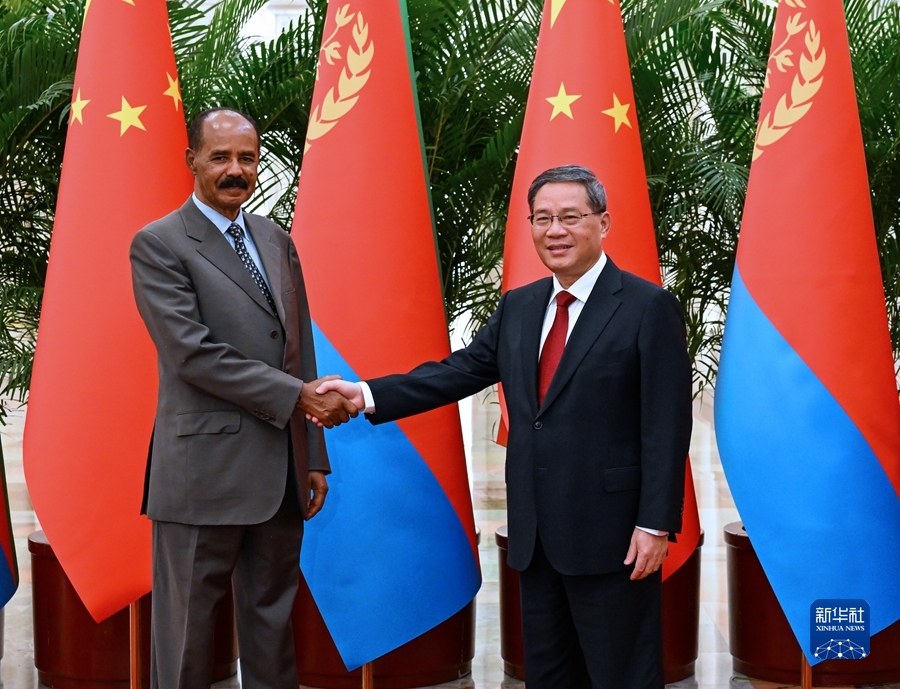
806	397
581	112
399	497
93	392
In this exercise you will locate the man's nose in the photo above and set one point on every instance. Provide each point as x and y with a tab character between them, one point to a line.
234	168
556	228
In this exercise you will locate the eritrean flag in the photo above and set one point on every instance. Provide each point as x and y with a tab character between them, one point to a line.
393	552
9	566
581	112
807	413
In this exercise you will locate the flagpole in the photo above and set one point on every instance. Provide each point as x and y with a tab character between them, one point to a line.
805	673
368	676
135	644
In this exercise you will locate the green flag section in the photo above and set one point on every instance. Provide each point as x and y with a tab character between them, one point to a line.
807	415
393	552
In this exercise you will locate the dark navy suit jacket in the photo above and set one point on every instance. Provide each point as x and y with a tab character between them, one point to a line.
606	451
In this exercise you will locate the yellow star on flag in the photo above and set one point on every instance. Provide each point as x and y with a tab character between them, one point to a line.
555	7
562	102
129	116
619	112
174	90
130	2
77	108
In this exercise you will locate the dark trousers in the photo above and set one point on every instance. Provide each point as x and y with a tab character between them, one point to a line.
600	631
192	566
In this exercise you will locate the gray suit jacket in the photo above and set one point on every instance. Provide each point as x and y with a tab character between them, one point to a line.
229	373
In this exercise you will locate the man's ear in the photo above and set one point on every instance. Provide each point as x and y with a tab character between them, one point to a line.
605	222
189	159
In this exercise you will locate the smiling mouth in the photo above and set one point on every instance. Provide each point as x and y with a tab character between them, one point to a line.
558	247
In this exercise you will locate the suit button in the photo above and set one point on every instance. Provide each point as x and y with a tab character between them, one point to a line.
274	334
537	425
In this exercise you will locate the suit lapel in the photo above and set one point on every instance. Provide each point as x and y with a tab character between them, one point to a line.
532	323
597	310
216	249
270	255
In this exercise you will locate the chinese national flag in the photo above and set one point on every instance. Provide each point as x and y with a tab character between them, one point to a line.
93	392
581	112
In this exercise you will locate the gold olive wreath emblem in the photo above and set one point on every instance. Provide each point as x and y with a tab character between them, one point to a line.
807	80
341	98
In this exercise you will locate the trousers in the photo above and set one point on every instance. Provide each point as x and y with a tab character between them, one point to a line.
600	631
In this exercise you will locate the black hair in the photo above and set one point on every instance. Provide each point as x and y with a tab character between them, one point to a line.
596	194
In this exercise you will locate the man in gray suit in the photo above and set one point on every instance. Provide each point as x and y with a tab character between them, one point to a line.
234	466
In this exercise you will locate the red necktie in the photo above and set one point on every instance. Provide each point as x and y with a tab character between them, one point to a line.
554	344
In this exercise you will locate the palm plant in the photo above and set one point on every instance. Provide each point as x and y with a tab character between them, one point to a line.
874	29
473	68
698	68
473	65
37	48
272	81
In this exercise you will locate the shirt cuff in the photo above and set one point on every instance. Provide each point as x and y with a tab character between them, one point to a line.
654	532
367	396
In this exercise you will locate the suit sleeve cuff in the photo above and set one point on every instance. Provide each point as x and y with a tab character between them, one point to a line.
654	532
367	396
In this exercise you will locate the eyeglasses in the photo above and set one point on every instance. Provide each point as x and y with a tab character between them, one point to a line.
543	222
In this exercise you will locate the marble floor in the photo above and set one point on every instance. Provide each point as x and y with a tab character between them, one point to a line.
713	667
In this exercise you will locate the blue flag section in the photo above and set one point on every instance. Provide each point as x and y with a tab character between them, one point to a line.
383	570
806	405
9	567
393	553
819	509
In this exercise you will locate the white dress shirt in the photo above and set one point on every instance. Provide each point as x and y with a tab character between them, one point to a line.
581	290
222	224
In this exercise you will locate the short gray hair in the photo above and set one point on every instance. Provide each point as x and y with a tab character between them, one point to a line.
596	194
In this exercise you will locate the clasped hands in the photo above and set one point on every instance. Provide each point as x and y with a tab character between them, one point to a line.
330	401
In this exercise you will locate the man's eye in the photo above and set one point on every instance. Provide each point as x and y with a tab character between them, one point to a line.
570	219
541	219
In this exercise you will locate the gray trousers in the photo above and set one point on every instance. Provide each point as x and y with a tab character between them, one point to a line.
192	566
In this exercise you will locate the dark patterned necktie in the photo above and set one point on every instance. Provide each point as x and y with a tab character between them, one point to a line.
554	344
238	235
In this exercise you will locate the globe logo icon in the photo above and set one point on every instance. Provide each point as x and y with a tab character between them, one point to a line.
842	649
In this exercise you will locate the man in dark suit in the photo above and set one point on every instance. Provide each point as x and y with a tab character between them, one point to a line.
597	382
233	460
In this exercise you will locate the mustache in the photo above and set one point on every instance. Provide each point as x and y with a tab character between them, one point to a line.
231	182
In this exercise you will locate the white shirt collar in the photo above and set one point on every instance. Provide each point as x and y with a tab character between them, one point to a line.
216	218
582	287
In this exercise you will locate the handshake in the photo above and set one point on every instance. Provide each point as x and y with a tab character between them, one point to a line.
330	401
